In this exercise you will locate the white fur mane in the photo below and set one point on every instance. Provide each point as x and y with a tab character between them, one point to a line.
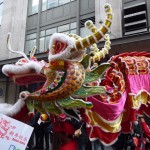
23	69
11	110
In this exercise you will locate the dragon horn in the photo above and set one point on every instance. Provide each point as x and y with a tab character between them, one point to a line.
98	54
10	49
83	43
102	53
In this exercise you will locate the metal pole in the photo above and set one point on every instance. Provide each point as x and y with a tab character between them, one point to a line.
78	17
38	24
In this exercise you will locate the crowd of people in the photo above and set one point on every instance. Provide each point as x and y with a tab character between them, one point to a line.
67	133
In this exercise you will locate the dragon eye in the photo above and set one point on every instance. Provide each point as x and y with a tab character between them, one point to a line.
59	47
23	60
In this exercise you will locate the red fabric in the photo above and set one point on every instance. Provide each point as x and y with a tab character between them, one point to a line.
72	145
136	141
106	137
65	126
127	127
145	129
22	115
133	115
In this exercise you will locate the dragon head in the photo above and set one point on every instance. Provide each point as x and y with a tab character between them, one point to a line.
66	53
25	70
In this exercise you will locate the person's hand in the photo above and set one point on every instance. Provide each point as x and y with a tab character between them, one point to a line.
77	133
147	140
141	117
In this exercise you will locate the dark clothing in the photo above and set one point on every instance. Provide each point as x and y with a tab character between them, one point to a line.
124	141
45	134
98	145
33	122
83	140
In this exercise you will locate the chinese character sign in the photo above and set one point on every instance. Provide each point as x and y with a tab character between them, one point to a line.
14	135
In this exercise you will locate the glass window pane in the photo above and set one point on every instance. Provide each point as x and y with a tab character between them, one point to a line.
29	46
66	32
73	25
63	28
61	2
44	5
31	36
42	33
35	4
52	3
41	44
84	32
47	42
51	31
74	31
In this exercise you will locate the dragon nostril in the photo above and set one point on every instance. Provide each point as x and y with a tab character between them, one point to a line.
32	71
23	96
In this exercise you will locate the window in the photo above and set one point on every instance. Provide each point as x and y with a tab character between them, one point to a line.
83	30
29	45
31	36
42	41
61	2
74	31
47	42
42	44
73	27
35	4
44	5
30	42
52	3
135	18
63	28
42	33
48	4
51	31
45	36
1	7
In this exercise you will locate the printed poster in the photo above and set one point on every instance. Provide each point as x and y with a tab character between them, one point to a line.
14	135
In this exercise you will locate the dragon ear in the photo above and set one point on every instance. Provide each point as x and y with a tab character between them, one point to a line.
33	52
94	74
86	61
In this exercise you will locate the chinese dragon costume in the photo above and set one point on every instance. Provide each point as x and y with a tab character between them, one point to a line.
111	93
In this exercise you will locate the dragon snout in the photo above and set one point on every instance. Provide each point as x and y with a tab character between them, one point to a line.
24	95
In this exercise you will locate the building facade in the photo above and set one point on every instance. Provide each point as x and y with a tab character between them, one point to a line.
12	19
32	22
